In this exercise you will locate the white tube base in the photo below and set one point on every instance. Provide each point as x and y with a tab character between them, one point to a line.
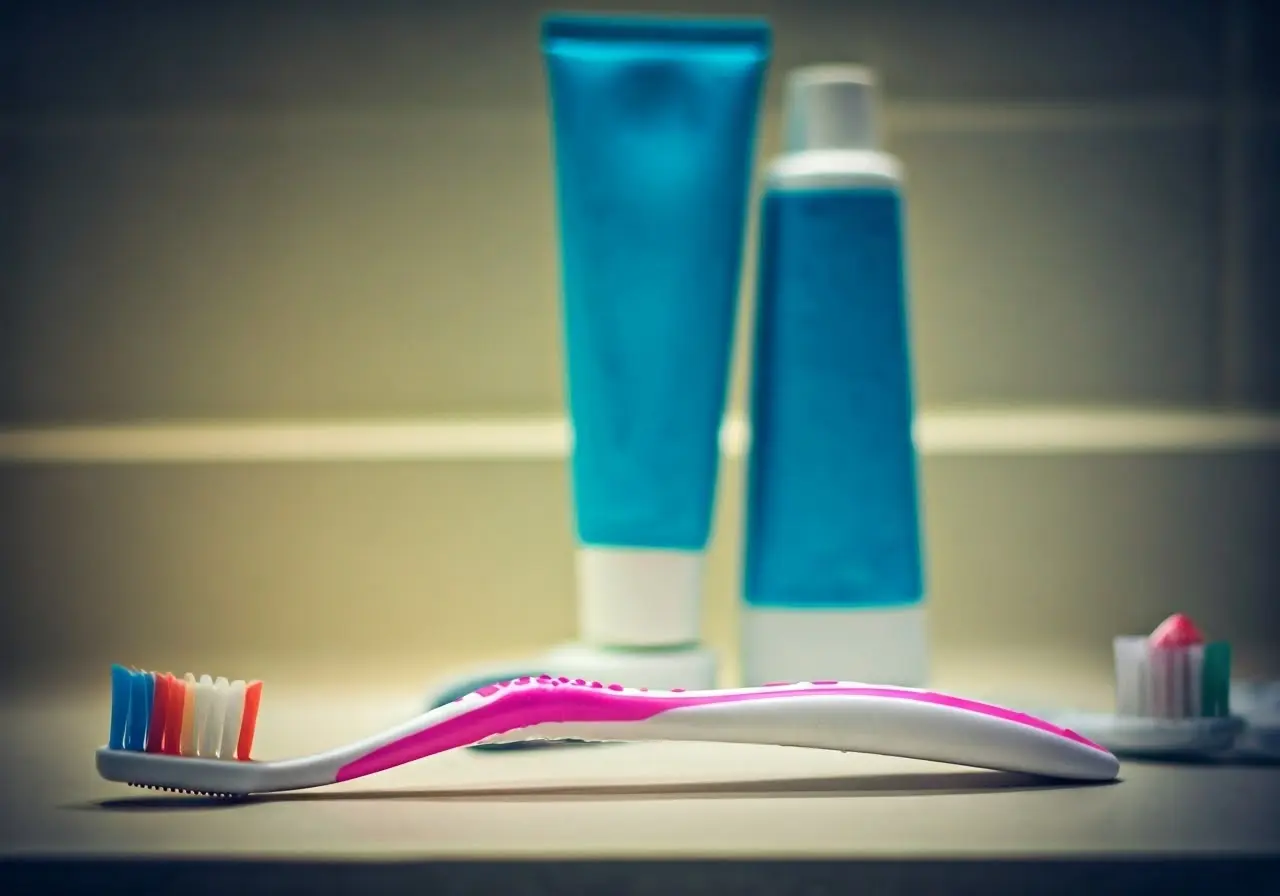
634	597
877	646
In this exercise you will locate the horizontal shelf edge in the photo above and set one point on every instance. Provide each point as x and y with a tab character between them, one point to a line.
971	432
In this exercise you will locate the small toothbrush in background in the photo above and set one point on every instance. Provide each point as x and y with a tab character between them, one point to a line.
212	724
1174	692
1172	674
1172	696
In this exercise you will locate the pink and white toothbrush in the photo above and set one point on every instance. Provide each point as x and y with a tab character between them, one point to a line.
190	735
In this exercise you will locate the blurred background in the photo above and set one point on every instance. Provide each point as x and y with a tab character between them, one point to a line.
280	362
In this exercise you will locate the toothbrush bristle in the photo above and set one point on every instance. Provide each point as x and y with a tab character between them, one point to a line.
231	721
159	709
121	686
187	740
249	720
173	715
1215	688
155	712
135	729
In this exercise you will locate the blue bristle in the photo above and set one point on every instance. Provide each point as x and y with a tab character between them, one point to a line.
121	688
151	702
135	735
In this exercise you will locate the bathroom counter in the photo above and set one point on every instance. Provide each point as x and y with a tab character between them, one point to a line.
815	818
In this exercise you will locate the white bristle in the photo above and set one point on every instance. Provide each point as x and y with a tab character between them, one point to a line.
1166	683
212	736
231	722
187	746
204	707
1195	669
1131	675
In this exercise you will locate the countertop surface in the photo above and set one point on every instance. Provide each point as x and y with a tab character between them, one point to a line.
610	802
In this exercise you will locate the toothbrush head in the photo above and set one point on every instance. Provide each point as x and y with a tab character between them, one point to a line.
163	719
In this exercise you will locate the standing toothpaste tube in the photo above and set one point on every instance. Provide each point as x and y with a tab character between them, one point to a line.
833	575
653	126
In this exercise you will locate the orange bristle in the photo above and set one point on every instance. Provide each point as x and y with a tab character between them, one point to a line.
187	738
249	720
177	694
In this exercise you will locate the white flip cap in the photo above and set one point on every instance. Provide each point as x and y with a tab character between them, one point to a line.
831	107
634	597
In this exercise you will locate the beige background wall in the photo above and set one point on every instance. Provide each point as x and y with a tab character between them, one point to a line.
237	212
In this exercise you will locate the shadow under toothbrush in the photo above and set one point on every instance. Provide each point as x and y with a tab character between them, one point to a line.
958	783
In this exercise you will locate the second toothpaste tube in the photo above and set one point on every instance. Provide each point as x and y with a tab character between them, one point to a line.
833	572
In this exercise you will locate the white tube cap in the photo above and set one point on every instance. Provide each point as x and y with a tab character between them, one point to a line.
831	107
877	646
634	597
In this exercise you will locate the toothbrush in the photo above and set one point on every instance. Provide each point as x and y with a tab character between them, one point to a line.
1173	695
201	743
1173	673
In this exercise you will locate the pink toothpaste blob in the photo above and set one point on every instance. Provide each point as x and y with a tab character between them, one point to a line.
1178	631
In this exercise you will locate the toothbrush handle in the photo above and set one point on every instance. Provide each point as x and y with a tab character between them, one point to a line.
866	719
823	715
